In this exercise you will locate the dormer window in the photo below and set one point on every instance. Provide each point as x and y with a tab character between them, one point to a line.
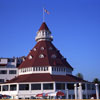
41	56
42	48
50	48
30	57
34	49
53	56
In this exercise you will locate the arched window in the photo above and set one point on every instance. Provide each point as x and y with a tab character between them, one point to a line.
41	56
53	56
34	49
42	48
50	48
30	57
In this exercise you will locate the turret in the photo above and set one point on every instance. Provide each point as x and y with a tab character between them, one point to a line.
44	33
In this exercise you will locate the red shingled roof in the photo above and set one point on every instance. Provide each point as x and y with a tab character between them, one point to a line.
44	27
48	50
45	78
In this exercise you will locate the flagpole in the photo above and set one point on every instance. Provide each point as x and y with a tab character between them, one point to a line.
43	14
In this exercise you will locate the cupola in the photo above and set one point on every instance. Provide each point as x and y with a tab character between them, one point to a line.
44	33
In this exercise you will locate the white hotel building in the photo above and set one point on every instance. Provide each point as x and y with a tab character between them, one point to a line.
45	71
8	68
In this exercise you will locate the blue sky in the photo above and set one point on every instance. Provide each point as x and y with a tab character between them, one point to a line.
75	26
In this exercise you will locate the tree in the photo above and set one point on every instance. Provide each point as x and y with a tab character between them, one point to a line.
96	80
79	75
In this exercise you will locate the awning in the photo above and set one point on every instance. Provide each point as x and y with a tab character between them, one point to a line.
6	96
57	93
41	95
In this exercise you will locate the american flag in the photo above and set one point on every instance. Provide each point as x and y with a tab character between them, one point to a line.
46	11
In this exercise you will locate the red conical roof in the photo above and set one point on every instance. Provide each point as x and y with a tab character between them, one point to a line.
51	56
44	27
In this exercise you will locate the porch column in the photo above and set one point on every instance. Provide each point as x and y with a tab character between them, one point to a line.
17	88
67	94
42	87
80	91
66	90
97	91
75	91
30	87
54	86
8	87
